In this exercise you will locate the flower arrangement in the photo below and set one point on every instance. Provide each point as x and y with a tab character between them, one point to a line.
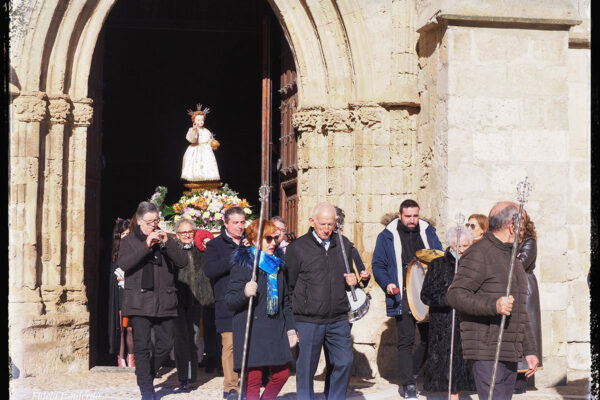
206	208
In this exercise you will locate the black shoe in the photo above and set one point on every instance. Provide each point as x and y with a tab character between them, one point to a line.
411	392
184	385
232	395
519	390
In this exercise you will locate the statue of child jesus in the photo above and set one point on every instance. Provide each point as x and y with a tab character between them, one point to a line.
199	163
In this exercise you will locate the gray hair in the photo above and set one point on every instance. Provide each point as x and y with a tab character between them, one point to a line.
182	221
144	208
502	218
452	234
233	210
340	214
321	206
277	218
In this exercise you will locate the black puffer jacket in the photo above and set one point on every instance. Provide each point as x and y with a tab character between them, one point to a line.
481	279
162	300
316	279
527	253
217	267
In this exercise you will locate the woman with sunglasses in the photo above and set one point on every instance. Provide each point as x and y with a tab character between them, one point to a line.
477	224
273	330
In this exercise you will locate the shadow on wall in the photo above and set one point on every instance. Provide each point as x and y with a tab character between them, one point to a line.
387	353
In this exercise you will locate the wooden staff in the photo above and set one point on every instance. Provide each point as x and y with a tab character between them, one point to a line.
263	193
460	219
523	190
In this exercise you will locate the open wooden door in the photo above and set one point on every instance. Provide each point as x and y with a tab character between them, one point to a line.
288	164
279	157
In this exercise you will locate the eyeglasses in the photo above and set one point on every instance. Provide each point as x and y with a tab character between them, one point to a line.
185	233
269	238
151	222
471	226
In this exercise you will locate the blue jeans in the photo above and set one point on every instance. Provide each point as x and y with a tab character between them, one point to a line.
336	336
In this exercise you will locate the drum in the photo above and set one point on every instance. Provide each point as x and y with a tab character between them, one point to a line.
415	275
427	255
358	308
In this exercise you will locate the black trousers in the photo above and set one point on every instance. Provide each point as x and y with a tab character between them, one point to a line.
410	357
148	359
186	347
212	340
506	375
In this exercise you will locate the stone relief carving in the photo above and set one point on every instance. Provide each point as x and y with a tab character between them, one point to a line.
425	166
83	111
31	107
305	121
59	109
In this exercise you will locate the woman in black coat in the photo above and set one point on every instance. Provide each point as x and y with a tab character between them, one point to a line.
272	329
440	274
527	254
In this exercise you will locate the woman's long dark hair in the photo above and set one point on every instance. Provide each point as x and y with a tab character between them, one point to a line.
121	225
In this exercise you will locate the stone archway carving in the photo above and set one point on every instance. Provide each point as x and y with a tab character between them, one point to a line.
339	64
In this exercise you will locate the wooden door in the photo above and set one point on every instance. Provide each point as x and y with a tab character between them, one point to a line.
288	165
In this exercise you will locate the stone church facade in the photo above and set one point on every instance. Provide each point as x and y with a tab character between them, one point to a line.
450	102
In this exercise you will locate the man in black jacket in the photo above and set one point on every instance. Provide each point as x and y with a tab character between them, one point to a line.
318	279
217	267
148	258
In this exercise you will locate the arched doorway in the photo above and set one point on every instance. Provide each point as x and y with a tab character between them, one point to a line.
154	60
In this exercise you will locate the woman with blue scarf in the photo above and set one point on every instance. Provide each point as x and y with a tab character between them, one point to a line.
272	329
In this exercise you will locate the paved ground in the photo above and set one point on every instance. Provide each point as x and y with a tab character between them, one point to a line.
119	384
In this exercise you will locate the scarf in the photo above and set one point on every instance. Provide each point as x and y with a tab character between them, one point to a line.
269	264
155	258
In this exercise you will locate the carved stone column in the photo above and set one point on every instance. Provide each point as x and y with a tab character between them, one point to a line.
75	210
28	114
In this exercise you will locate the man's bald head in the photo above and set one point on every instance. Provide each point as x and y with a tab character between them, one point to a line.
323	220
502	214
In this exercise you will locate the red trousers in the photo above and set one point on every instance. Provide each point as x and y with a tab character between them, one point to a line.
279	375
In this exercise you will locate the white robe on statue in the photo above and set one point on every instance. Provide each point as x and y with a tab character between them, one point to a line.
199	163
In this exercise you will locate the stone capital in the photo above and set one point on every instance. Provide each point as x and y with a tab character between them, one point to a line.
322	120
83	112
31	107
59	108
368	115
306	120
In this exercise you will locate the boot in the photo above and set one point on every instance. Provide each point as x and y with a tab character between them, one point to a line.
121	362
130	361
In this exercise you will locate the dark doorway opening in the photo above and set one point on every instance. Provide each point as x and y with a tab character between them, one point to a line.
160	58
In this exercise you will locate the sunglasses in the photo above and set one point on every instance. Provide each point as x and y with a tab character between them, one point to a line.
269	238
472	226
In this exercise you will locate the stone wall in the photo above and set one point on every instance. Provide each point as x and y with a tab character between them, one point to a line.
363	159
505	91
494	93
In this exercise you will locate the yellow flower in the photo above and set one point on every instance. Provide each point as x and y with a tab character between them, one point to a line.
177	217
218	216
247	210
192	212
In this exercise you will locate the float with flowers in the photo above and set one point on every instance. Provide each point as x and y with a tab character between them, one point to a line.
205	207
